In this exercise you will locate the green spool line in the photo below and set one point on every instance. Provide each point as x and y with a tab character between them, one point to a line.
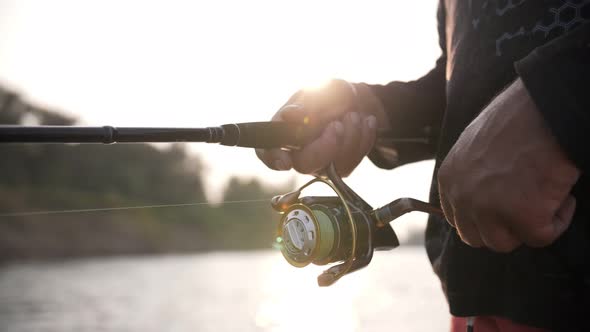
325	234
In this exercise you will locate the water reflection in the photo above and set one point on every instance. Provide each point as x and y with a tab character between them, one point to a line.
292	301
254	291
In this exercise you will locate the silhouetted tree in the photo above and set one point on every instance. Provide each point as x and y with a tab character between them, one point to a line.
59	176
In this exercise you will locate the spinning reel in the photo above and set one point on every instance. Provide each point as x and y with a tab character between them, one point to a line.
342	228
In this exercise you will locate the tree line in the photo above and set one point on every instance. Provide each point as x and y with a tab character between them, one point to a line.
50	177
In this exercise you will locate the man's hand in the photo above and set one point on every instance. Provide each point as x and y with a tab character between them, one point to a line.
506	180
346	118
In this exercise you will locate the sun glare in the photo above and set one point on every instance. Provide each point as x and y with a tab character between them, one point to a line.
294	302
316	84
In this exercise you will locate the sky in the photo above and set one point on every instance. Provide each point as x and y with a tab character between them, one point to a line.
206	63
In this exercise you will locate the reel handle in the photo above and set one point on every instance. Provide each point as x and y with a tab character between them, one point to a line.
401	206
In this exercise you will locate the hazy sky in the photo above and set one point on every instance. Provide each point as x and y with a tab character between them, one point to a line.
205	63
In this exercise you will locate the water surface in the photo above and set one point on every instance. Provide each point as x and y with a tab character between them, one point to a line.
253	291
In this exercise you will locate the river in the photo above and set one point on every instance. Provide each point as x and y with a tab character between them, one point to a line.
226	291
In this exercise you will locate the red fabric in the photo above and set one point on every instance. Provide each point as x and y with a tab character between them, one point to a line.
491	324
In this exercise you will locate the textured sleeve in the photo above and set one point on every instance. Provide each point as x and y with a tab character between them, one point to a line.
415	110
557	76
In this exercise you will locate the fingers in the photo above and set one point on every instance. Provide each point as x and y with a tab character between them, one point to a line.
496	236
317	110
359	137
478	230
319	153
353	131
487	231
468	231
367	141
344	142
276	159
493	231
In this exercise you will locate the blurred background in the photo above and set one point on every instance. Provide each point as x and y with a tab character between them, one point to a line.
206	267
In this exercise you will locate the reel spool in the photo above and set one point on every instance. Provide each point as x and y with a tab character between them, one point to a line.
342	228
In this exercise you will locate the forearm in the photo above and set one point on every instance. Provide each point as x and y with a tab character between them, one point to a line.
411	110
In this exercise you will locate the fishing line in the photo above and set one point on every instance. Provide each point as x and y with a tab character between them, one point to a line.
49	212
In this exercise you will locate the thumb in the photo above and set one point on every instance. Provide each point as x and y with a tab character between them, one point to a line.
289	113
293	113
298	114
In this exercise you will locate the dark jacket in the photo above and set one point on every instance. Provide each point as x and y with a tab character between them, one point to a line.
486	45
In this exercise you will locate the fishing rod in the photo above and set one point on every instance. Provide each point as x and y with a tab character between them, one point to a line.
262	135
341	229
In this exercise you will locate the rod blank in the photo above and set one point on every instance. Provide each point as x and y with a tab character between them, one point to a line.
106	134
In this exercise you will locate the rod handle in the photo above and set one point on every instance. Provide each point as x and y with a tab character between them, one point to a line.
267	135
